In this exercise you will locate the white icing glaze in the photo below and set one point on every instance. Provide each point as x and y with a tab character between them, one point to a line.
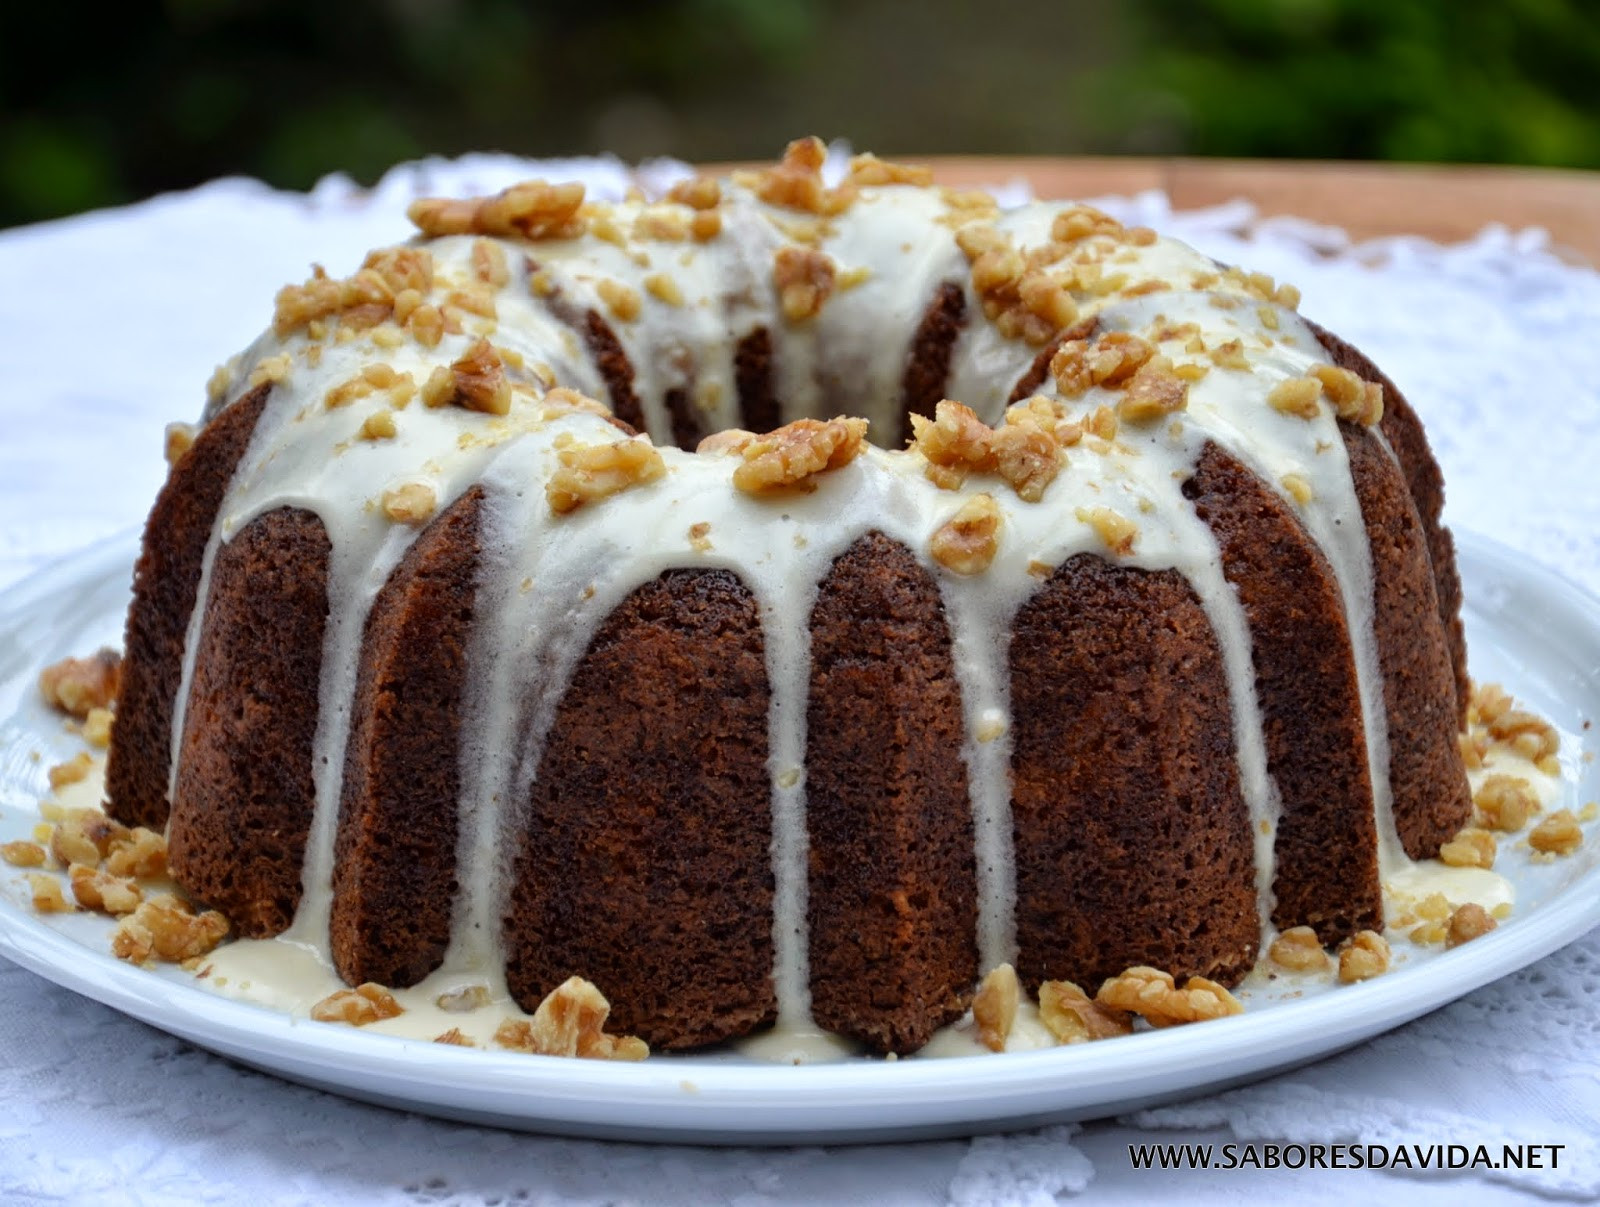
549	580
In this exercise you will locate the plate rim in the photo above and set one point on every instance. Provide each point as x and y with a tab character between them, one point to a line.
697	1100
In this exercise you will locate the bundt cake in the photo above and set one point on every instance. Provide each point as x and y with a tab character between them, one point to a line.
1146	646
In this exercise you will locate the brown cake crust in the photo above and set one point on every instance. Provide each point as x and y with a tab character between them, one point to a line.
616	370
687	428
893	892
643	863
752	374
1309	699
1426	775
1403	430
244	800
165	582
394	872
927	370
1132	838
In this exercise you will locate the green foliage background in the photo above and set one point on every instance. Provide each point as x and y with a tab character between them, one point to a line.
101	104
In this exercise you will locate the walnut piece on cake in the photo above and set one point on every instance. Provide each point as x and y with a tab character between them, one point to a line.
967	542
794	455
589	472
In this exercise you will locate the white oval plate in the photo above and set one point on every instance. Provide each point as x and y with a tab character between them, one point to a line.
1527	628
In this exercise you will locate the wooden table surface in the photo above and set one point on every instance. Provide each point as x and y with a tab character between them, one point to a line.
1443	203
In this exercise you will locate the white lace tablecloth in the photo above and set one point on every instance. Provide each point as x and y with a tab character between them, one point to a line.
110	324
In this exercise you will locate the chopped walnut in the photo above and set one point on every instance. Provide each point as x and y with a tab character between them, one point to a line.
589	472
74	771
1557	834
139	853
804	280
97	727
1299	950
379	425
463	1000
1153	995
22	854
1352	398
489	263
167	929
698	193
1026	456
1109	361
1505	803
1154	392
796	181
533	209
454	1037
1363	957
967	542
179	439
664	289
85	836
1489	702
45	895
1527	734
570	1022
1116	530
1299	488
1081	222
366	1003
97	889
1296	396
994	1008
955	442
475	380
700	537
622	300
1103	423
1467	923
727	442
795	454
410	503
1230	355
1471	848
76	685
870	170
1074	1018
